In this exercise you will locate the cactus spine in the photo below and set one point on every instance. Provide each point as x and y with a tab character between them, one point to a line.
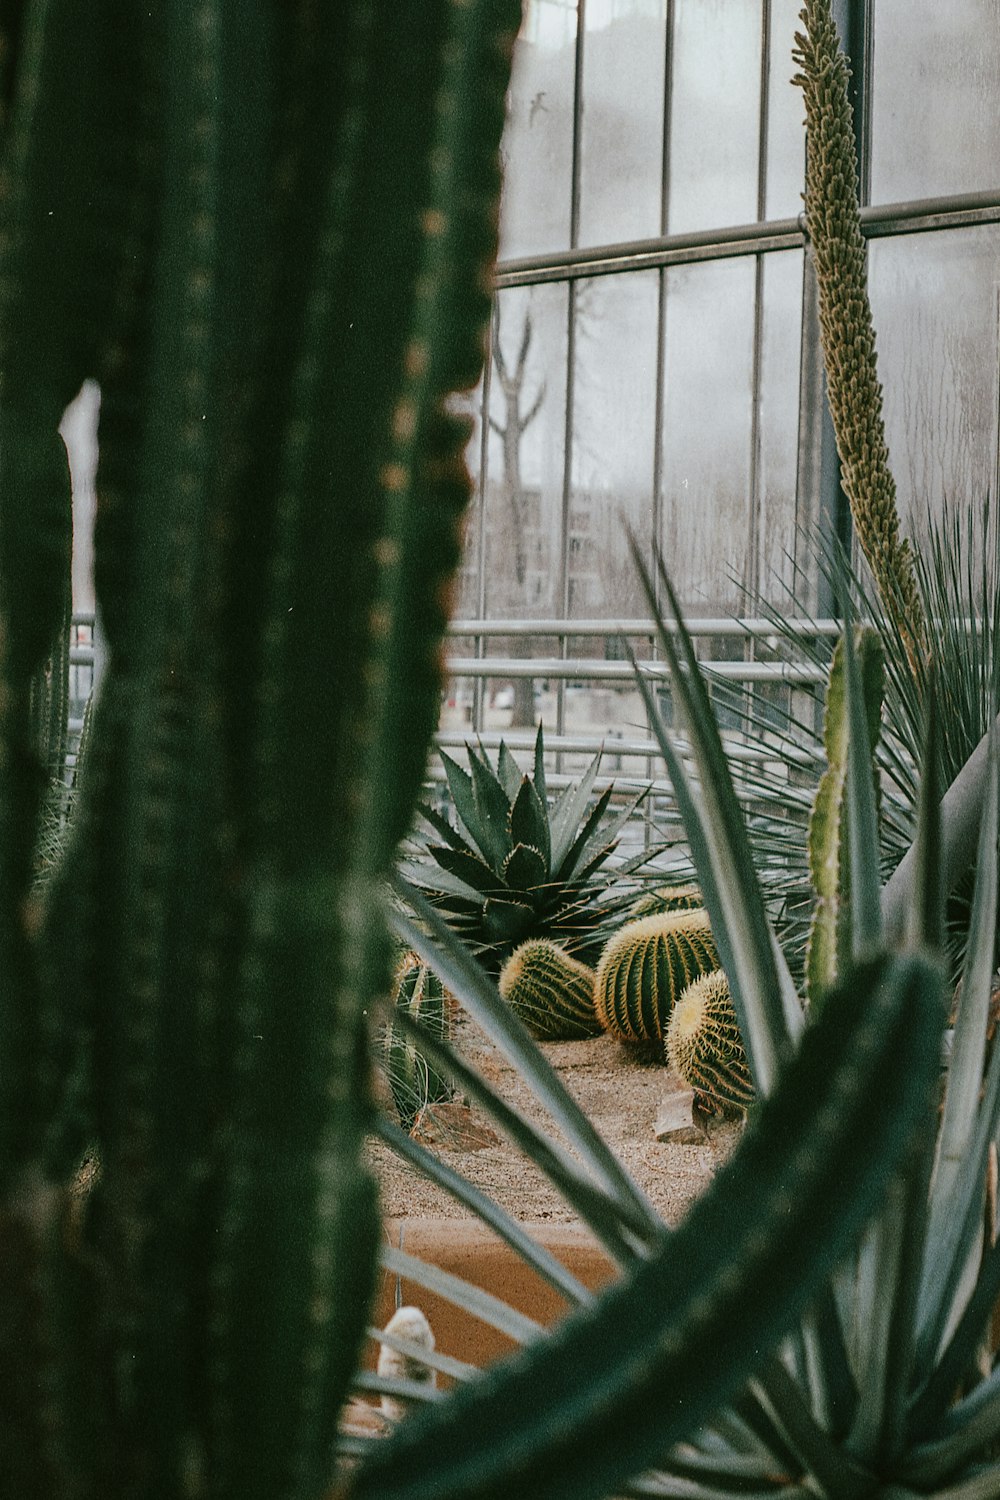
267	232
704	1044
413	1080
551	991
644	968
665	898
828	948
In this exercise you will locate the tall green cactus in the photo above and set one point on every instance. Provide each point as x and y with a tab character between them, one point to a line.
645	966
266	230
829	944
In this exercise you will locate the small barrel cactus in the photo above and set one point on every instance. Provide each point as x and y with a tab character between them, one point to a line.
664	898
412	1077
705	1047
645	967
552	992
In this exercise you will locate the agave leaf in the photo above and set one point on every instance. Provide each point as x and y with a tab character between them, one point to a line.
525	869
430	876
468	868
529	821
968	1052
566	868
440	824
542	1261
464	800
508	772
584	861
717	835
492	813
569	809
972	1428
957	1358
645	1363
540	786
507	920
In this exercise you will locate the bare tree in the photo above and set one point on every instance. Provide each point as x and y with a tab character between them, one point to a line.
520	412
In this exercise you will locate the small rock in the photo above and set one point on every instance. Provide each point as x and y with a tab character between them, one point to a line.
451	1126
676	1121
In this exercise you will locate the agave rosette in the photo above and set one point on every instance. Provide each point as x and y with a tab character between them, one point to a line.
512	868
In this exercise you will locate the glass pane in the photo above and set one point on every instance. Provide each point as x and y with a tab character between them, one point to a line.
935	124
779	411
621	162
786	148
614	417
707	432
934	298
537	147
714	131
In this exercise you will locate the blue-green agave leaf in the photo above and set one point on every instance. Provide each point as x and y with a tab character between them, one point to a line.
529	820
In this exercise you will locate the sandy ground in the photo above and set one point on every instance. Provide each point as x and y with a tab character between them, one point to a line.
620	1091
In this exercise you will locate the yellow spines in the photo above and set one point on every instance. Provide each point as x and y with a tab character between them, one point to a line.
704	1044
552	992
645	967
664	898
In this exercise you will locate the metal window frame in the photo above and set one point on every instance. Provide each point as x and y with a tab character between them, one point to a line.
819	495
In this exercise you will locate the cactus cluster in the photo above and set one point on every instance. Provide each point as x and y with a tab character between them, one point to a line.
551	991
413	1079
644	968
704	1045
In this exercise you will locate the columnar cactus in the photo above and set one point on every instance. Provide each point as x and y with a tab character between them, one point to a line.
644	968
704	1044
267	232
828	948
551	991
415	1081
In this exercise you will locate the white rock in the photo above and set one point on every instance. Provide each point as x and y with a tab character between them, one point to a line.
406	1323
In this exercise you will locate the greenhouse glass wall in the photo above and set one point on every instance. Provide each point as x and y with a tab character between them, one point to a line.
656	362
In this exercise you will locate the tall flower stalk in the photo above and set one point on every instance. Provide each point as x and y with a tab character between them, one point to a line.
833	223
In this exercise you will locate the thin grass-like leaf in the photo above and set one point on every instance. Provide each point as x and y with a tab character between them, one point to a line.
721	852
461	1293
463	976
862	820
414	1391
613	1225
542	1261
445	1364
644	1360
